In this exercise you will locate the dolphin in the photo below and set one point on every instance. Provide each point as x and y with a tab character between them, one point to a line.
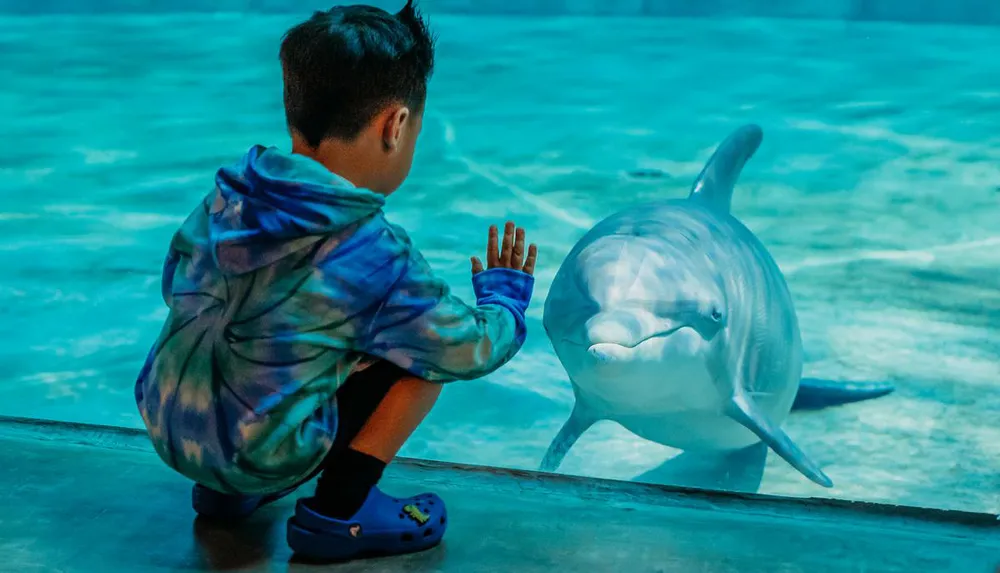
672	319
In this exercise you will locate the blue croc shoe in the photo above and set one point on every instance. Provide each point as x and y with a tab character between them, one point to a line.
211	504
383	526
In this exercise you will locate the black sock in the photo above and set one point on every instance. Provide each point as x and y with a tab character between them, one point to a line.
345	483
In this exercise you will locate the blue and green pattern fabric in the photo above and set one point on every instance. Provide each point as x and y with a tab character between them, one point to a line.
280	284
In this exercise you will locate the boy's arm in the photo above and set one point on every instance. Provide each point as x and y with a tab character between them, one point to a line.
423	328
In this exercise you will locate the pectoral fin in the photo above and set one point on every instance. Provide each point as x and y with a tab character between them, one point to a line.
579	422
745	411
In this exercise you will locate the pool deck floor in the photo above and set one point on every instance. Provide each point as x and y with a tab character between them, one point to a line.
97	500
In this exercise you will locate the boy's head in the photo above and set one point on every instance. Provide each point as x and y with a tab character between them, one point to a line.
355	88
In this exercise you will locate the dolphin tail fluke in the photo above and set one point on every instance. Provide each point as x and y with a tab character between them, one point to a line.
578	423
815	394
745	411
714	186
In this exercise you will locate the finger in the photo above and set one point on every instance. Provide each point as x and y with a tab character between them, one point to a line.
529	262
492	256
477	266
517	255
508	244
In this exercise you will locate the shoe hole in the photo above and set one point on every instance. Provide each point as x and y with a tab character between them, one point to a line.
442	521
401	516
429	532
407	537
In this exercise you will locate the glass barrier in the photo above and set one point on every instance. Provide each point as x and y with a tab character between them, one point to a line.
875	188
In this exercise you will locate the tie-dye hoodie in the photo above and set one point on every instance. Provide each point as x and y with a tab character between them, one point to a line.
283	281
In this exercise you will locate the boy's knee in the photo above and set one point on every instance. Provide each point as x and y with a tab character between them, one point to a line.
420	387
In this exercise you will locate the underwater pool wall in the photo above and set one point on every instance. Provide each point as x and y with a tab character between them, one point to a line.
978	12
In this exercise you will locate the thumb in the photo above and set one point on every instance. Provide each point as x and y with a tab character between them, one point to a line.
477	265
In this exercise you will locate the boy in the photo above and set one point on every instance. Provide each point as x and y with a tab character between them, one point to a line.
306	335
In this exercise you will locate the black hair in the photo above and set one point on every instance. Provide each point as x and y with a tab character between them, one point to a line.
345	65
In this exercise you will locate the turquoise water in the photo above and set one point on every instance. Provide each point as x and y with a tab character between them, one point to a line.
877	189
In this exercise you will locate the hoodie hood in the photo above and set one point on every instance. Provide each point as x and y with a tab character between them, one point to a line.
272	204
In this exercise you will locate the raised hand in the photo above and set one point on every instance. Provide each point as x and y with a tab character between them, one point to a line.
510	254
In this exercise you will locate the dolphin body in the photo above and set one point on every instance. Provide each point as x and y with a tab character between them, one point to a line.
672	319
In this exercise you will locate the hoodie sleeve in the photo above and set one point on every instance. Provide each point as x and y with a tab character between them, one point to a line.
423	328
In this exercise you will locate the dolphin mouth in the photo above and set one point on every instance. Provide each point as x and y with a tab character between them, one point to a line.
589	343
608	352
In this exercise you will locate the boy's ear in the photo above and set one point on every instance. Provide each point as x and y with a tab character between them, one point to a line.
392	131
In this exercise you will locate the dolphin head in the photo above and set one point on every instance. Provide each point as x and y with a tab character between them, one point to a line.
640	301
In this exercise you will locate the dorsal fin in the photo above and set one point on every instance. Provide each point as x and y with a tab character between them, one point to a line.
714	186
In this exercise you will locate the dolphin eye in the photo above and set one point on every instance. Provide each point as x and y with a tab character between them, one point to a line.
716	315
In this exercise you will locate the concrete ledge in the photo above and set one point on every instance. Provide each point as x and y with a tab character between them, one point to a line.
973	12
80	498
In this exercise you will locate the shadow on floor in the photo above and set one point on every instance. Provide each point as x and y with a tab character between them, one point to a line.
739	471
225	547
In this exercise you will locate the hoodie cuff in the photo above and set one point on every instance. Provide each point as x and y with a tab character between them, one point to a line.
508	287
